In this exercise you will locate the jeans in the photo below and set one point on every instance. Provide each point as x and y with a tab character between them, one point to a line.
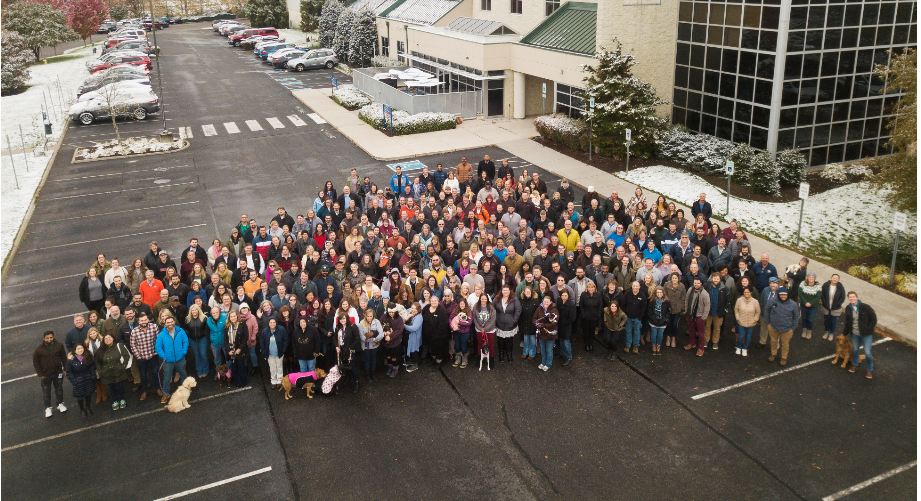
253	356
168	368
673	323
808	315
611	338
633	331
200	350
831	324
657	333
565	349
855	357
117	391
307	365
55	380
530	346
370	360
238	369
745	336
148	371
546	353
461	342
218	352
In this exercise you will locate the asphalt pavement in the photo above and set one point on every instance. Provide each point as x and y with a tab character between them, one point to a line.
597	429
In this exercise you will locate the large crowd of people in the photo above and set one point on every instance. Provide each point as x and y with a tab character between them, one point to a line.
446	267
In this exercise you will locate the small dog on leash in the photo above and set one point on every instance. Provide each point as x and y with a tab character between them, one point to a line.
223	375
291	380
484	355
179	400
844	350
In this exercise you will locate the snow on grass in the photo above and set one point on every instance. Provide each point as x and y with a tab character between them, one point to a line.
24	110
297	37
852	215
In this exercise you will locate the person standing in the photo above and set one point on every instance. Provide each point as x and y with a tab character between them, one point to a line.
767	295
615	322
486	165
436	330
143	338
77	335
273	342
810	293
782	317
833	297
81	372
371	333
236	337
719	305
113	360
659	314
484	320
508	311
697	307
634	306
859	323
50	361
591	309
747	313
545	319
172	345
92	291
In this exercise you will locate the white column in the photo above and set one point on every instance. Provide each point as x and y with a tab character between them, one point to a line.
780	63
518	94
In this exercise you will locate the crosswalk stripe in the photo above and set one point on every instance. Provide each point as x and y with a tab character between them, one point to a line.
316	118
296	120
188	133
209	130
253	125
276	123
231	128
182	134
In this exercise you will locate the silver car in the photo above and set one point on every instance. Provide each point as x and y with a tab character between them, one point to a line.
317	58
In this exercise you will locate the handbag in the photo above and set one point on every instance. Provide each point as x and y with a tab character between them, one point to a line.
122	359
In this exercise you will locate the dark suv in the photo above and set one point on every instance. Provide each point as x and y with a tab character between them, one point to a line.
239	36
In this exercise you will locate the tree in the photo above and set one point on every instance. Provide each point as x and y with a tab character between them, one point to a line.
344	28
119	12
743	156
898	173
38	24
622	102
310	15
364	34
329	18
265	13
765	175
17	56
85	16
792	165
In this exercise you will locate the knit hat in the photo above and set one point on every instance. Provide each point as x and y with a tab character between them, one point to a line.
385	294
811	274
783	290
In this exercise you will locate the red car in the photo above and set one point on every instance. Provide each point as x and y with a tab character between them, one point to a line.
112	42
238	37
129	60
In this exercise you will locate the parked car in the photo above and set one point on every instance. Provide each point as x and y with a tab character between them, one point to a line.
108	56
130	60
95	82
272	47
135	45
134	70
106	28
229	29
135	102
237	38
175	20
218	23
317	58
129	33
108	88
164	22
279	59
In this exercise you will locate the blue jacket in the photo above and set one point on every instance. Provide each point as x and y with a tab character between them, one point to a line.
172	349
281	340
782	316
438	177
191	297
763	275
654	254
396	185
216	330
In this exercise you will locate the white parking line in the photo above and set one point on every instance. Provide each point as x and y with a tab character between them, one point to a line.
867	483
216	484
296	120
119	420
111	213
45	280
253	125
767	376
123	236
208	130
316	118
71	315
185	133
119	191
18	379
276	123
231	128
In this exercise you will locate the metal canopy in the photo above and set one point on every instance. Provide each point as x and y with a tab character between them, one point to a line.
482	27
446	68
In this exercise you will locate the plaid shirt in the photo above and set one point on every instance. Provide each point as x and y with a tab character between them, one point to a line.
143	339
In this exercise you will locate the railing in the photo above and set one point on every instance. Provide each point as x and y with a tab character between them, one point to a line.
463	104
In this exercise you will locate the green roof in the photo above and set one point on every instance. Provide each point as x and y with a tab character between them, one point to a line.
571	28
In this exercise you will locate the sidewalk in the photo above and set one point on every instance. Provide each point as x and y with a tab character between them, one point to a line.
469	135
897	315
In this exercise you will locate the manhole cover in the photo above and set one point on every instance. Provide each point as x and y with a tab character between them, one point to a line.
161	181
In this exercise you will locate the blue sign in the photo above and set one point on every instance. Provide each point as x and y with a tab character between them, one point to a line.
409	165
335	83
388	117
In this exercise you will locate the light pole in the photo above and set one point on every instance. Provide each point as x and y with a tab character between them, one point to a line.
165	135
591	105
629	140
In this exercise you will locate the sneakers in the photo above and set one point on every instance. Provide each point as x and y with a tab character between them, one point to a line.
869	374
541	367
567	362
411	367
744	353
716	346
61	408
114	406
738	351
545	369
48	412
700	352
164	399
772	358
121	405
852	369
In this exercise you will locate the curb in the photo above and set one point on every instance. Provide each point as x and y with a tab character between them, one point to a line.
28	217
73	160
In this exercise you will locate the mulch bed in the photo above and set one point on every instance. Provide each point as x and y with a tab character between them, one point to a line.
817	184
871	260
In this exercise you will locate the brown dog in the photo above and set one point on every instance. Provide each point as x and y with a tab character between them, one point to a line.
286	385
223	375
843	350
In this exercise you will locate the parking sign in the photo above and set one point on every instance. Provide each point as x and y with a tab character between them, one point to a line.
543	90
900	221
629	135
730	167
804	190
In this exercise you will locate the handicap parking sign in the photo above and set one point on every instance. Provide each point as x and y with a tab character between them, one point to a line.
409	165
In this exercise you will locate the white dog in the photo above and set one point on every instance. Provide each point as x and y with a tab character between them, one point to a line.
179	400
793	269
484	356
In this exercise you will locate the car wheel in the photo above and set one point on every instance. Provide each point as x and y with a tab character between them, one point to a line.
236	43
139	114
329	65
299	67
86	118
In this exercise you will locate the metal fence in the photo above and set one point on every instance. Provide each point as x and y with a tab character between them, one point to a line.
463	104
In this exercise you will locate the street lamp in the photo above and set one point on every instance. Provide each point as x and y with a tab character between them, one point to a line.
165	135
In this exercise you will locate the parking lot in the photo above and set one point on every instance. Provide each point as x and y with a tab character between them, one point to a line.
675	426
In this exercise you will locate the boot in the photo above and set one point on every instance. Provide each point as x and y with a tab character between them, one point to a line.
805	334
509	356
101	390
463	364
82	408
355	390
809	334
89	406
457	360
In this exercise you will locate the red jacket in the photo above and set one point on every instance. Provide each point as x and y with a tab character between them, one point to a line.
150	294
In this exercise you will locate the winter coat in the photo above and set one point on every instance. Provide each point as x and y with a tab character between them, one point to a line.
252	328
703	303
239	341
525	322
810	294
396	329
615	323
722	306
866	319
113	363
567	312
172	349
216	330
659	313
377	334
507	318
832	306
435	325
196	328
484	320
84	291
716	258
306	341
49	362
763	275
75	336
82	375
676	296
747	311
281	340
546	330
634	305
782	316
590	306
